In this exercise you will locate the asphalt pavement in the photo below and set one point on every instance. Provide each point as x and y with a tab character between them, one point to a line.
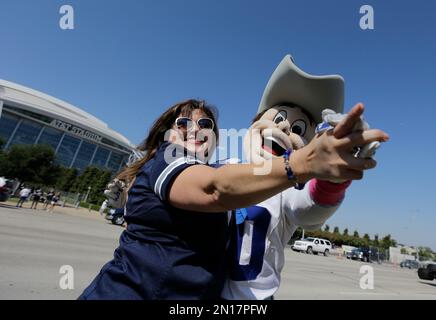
36	246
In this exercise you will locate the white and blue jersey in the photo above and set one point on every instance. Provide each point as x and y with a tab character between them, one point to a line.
165	252
260	237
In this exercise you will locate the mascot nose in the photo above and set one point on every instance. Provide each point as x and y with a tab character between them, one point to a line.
284	126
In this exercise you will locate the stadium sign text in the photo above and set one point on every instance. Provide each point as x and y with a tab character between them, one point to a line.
76	130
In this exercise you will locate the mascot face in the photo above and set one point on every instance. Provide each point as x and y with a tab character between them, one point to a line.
278	129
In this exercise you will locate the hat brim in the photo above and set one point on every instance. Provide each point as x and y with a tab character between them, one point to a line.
289	84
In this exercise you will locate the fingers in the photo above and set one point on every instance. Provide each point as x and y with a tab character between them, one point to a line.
351	174
111	196
361	138
115	193
116	184
354	175
346	125
359	164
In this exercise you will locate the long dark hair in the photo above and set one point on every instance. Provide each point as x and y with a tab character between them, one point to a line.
157	132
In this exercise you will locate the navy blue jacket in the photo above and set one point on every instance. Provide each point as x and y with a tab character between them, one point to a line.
165	253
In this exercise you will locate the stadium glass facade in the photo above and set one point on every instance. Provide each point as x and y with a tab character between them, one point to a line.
74	147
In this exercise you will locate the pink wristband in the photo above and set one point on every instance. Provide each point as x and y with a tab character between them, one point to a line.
327	193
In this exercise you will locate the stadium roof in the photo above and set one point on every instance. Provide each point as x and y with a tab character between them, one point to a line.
35	101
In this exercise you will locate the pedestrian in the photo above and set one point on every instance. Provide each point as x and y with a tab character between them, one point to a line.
54	200
48	199
24	194
103	207
36	198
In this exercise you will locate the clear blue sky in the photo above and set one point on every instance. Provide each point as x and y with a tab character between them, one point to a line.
127	61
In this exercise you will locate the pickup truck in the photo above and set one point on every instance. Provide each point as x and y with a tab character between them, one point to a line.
428	272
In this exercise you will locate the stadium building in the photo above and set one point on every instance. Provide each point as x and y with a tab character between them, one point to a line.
78	138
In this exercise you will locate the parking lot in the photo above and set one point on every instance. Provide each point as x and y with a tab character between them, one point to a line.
36	244
318	277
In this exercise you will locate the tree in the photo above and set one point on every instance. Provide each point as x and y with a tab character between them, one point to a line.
387	242
356	242
32	164
345	233
376	242
425	253
4	164
336	230
327	228
66	179
85	180
356	234
366	240
403	251
298	233
98	186
96	180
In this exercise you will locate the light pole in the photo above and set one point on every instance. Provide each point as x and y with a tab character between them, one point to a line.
87	194
78	200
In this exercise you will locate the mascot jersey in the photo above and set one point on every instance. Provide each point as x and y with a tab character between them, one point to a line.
263	230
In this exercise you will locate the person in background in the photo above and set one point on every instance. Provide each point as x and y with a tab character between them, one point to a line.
36	198
24	194
103	207
54	201
48	199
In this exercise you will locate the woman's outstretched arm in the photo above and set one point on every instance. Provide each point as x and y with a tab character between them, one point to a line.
326	157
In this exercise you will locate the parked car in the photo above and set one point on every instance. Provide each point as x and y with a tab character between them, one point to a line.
362	254
312	246
116	216
411	264
5	189
428	272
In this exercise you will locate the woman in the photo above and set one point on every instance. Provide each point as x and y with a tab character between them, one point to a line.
48	199
36	198
174	246
54	201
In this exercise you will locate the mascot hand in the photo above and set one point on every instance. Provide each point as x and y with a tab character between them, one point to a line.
116	190
115	193
331	119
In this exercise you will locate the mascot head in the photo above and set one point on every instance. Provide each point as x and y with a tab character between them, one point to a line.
289	110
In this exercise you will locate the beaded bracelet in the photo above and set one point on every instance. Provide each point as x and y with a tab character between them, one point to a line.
289	172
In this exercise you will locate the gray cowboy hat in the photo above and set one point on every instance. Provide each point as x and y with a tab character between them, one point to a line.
290	84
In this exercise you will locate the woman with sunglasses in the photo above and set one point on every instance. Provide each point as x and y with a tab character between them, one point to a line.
175	243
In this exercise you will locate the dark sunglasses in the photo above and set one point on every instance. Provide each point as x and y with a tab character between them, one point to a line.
185	123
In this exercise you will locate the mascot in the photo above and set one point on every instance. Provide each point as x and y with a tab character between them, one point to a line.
291	106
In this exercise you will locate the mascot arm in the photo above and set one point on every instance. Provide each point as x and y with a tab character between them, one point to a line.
312	206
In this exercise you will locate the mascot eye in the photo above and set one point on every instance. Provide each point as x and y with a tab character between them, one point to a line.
281	116
299	127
